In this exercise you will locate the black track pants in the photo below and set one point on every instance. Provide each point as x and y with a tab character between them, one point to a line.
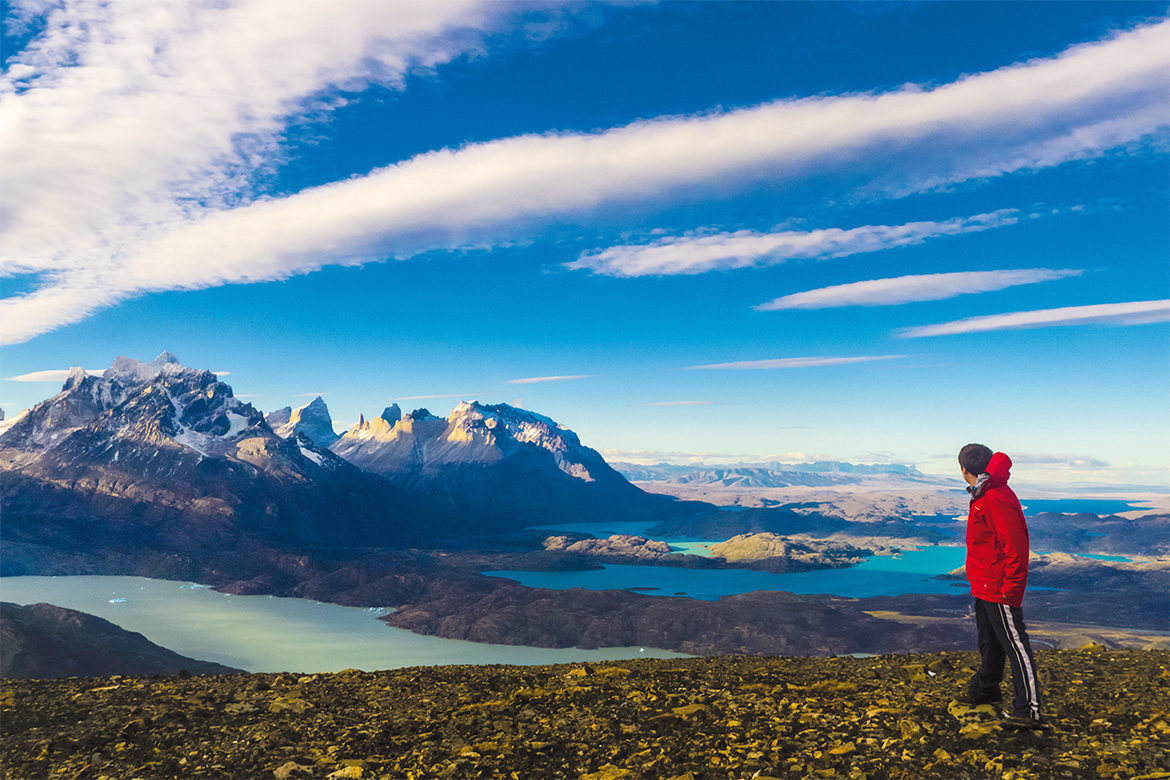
1002	637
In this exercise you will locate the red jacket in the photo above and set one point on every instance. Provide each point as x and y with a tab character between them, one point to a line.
997	537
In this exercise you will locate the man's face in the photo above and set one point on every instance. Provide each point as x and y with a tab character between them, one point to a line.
968	477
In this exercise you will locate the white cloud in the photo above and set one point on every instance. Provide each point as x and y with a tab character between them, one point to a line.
796	362
1136	313
50	375
171	105
122	120
532	380
699	253
919	287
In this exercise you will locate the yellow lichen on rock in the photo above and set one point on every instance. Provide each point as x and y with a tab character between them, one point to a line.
721	717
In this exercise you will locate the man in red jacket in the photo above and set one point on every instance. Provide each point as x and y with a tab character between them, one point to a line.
997	568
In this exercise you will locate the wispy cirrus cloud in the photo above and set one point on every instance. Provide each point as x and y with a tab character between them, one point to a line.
1071	461
1135	313
130	149
679	403
698	253
438	397
532	380
61	374
794	362
913	288
49	375
122	121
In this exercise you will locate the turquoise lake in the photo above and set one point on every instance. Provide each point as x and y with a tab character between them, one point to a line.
1095	506
270	634
913	571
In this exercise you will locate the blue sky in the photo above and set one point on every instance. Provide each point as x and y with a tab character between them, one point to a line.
716	231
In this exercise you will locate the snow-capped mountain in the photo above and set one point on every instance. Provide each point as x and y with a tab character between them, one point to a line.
161	406
164	456
311	420
472	433
496	464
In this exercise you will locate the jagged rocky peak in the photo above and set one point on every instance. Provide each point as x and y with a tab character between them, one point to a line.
279	417
392	424
472	433
311	421
160	403
472	419
77	375
422	422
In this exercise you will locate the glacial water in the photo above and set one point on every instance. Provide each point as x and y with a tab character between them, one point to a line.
913	571
269	634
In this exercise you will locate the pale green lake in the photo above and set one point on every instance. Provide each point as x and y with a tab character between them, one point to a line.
270	634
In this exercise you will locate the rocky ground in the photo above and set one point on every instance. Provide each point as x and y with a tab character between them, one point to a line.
732	716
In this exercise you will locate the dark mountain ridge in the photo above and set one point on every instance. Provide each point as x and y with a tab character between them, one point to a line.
43	640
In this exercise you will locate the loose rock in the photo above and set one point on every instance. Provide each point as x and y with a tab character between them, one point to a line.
686	719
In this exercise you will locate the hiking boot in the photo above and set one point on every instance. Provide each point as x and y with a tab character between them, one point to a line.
970	700
1023	723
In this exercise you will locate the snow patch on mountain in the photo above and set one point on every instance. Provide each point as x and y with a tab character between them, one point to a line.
313	456
236	424
5	424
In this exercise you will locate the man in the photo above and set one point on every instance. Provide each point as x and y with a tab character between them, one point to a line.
997	568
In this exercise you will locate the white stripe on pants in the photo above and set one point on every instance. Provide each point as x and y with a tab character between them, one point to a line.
1022	657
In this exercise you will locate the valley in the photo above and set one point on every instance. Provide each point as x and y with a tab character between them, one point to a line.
493	526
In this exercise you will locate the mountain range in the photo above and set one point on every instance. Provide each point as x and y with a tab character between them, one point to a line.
163	457
508	467
158	456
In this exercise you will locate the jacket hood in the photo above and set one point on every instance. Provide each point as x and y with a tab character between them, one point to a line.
998	469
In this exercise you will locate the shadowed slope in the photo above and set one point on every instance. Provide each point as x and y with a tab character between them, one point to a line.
44	640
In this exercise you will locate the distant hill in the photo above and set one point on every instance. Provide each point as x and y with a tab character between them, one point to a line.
772	474
44	640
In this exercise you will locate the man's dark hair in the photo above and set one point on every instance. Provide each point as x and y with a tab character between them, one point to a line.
974	458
